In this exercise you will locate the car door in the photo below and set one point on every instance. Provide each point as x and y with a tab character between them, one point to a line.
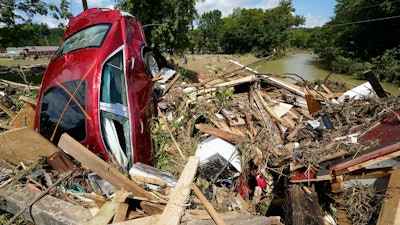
114	109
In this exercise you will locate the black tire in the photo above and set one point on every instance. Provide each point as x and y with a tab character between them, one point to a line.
150	64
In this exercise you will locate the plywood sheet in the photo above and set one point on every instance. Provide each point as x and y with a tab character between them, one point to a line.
24	145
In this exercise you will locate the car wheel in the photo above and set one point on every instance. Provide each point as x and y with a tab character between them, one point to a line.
151	64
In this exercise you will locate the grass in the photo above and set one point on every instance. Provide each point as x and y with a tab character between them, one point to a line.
15	77
22	62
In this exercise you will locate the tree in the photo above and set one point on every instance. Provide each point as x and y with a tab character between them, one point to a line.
18	29
24	10
210	24
257	31
365	28
166	22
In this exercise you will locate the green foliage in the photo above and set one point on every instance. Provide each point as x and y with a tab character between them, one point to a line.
166	22
258	31
161	139
387	66
13	10
224	97
209	26
350	66
29	34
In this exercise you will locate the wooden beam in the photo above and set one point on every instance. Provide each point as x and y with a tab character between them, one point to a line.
172	82
176	205
390	211
215	216
373	161
228	136
8	111
100	167
28	100
268	109
105	214
367	156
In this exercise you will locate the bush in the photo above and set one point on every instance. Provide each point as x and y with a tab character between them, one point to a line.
387	66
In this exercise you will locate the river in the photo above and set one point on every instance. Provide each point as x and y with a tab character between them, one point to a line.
306	66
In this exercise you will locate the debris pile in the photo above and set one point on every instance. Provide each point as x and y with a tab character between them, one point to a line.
254	149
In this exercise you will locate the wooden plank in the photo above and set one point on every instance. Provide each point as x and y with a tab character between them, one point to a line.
31	101
215	216
268	109
100	167
148	180
6	110
122	205
228	136
380	151
299	203
121	212
390	211
24	118
176	205
172	82
330	94
373	161
24	145
369	173
105	214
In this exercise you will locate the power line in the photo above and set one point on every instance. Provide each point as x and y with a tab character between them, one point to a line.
366	7
364	21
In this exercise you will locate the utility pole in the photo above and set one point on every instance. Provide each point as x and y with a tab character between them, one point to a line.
84	3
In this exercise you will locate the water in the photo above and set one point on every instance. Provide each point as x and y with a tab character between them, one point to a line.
308	68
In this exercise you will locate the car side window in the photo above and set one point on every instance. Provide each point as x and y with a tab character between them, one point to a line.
114	116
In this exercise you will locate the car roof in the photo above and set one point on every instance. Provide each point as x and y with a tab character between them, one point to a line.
93	16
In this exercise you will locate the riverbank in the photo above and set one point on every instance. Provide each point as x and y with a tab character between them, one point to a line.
302	64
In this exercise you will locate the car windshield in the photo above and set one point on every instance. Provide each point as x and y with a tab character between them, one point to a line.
90	37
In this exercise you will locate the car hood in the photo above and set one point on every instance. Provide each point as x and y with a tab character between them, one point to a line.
77	65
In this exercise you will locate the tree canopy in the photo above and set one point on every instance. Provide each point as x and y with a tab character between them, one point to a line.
165	22
254	31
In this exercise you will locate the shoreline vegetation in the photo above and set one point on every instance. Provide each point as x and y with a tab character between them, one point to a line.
204	65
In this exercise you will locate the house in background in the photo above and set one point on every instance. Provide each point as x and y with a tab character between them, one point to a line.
32	52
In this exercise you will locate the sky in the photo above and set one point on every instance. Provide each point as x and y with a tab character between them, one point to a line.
316	12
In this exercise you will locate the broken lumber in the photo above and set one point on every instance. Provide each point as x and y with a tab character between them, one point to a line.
172	82
268	109
105	214
373	161
25	117
7	111
390	209
228	136
100	167
215	216
28	100
24	145
371	154
302	208
177	203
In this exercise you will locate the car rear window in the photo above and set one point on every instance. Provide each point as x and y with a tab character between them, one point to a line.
90	37
63	110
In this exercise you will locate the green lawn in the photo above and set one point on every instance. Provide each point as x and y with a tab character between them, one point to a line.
22	62
15	77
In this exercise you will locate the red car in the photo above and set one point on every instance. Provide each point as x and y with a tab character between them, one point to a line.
98	87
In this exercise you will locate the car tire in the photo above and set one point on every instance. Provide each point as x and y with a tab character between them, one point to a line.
150	64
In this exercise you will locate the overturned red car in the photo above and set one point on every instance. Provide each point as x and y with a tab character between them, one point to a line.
98	87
